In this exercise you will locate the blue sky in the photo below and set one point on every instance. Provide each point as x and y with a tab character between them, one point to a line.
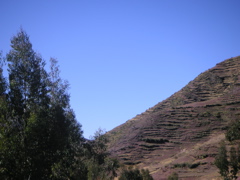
122	57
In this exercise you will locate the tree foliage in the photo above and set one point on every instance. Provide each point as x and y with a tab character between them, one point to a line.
228	163
233	163
40	137
221	161
135	174
233	132
229	167
99	164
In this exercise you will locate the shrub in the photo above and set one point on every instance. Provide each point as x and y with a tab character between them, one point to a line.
173	176
221	161
135	174
233	132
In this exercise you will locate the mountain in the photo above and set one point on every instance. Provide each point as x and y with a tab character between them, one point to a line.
182	133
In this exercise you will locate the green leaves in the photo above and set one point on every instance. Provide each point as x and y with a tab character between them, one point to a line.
135	174
233	163
58	87
233	132
228	165
39	135
221	161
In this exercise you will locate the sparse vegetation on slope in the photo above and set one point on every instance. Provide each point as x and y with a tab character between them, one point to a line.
228	162
170	132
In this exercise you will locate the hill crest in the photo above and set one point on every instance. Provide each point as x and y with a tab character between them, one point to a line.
172	131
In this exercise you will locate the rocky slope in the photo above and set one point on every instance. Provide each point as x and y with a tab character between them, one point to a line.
181	134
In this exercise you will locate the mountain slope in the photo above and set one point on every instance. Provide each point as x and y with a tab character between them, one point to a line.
182	132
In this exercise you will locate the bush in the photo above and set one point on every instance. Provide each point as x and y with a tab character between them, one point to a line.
173	176
233	131
135	174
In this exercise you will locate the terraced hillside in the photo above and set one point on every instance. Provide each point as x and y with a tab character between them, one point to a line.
182	133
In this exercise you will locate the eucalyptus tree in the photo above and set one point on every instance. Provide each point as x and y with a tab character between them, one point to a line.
66	133
40	137
4	124
27	101
222	162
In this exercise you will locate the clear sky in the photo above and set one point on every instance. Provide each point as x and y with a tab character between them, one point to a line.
123	56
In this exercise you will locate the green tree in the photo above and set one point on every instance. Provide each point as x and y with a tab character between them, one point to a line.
111	167
27	77
5	145
221	161
238	155
58	87
146	174
233	163
99	146
135	174
100	165
3	82
233	131
66	134
130	173
40	137
27	94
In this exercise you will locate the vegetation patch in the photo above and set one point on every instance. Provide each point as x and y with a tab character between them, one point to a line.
156	141
149	146
135	174
186	165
